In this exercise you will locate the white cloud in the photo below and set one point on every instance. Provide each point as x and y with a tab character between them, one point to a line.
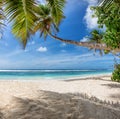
42	49
63	60
66	60
85	39
91	2
90	21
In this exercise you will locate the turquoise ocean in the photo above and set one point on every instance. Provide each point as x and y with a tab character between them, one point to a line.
49	74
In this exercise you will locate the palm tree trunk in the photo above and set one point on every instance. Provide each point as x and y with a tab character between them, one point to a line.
84	44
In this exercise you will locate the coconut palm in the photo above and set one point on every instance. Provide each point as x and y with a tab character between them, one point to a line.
48	26
107	3
45	23
27	17
21	14
96	37
2	17
57	7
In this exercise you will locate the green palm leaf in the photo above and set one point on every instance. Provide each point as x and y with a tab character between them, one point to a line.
57	9
2	17
107	3
21	13
45	23
96	37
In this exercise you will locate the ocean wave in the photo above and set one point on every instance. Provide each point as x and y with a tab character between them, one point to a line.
37	70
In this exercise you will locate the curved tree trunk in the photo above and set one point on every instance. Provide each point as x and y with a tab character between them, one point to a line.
84	44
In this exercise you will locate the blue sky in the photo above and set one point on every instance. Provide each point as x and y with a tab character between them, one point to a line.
52	54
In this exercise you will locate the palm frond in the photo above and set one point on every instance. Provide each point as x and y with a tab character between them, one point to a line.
96	37
21	13
2	17
45	22
107	3
57	9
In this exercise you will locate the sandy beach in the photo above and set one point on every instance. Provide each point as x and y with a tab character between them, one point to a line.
86	98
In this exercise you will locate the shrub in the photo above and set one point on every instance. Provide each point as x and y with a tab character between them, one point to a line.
116	73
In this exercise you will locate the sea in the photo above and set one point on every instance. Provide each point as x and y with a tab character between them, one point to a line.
49	74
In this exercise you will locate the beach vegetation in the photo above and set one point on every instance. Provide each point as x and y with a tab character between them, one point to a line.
116	73
109	19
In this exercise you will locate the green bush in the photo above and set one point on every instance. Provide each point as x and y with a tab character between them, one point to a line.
116	73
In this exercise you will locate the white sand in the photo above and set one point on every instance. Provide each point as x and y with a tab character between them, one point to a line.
36	98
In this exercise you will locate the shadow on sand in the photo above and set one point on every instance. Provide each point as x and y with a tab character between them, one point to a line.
115	86
112	85
115	96
89	78
51	105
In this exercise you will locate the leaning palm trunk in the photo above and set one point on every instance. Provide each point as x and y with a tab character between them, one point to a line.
90	45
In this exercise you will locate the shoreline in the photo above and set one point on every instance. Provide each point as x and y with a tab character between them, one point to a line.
36	78
95	77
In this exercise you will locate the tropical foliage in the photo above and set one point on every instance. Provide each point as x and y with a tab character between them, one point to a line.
107	3
2	17
116	73
46	23
56	10
29	16
21	14
96	37
110	18
108	14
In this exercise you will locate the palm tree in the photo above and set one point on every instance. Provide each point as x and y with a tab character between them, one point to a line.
47	26
107	3
2	17
57	7
22	15
97	37
27	17
45	22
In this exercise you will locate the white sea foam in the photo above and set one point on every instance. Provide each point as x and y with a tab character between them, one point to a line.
46	70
